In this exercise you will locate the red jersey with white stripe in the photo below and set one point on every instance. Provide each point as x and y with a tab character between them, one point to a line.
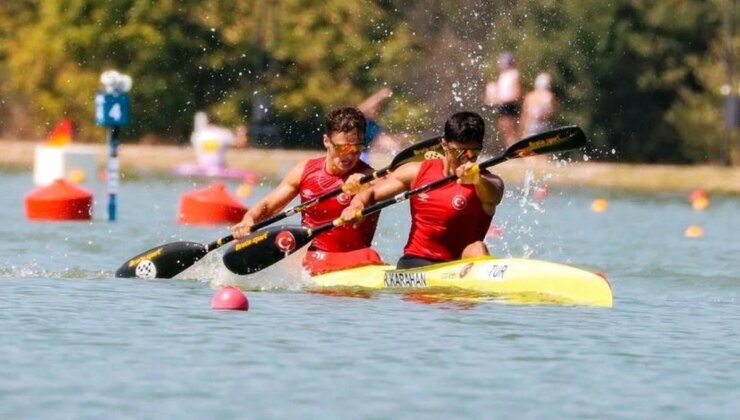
446	219
316	181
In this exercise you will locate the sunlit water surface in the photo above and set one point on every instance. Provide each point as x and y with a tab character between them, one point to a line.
79	343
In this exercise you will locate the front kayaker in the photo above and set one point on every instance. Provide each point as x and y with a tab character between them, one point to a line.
451	221
343	247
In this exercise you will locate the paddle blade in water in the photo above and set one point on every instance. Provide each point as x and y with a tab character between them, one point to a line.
164	262
265	247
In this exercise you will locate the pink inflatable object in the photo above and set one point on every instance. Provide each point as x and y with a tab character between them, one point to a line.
189	169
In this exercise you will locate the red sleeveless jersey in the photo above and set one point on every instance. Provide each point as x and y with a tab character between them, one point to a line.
446	219
316	181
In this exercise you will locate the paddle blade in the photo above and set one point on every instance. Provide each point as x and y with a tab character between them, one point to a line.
265	247
423	150
164	262
557	140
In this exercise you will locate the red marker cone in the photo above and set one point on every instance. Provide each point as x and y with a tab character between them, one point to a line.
212	205
60	200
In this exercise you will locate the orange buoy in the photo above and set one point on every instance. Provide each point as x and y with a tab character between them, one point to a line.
599	205
244	190
77	175
700	203
60	200
212	205
693	231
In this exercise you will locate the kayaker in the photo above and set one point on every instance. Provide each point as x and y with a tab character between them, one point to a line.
343	247
449	222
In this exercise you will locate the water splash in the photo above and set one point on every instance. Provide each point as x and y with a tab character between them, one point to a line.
520	237
287	274
34	271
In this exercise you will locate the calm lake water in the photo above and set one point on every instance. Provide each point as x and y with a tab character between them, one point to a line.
78	343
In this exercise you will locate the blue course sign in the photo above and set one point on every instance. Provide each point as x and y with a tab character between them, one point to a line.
111	109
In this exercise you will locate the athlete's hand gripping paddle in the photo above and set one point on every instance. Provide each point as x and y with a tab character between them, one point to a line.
266	247
168	260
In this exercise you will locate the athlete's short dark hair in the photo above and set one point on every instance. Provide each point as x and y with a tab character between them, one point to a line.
345	120
465	127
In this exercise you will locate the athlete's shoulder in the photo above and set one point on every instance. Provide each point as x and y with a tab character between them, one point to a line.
297	173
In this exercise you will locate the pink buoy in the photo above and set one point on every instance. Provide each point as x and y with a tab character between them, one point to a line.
494	232
230	298
540	193
696	194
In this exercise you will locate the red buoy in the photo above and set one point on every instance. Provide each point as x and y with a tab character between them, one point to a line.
230	298
60	200
212	205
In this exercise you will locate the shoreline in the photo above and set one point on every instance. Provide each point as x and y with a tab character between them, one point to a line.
139	160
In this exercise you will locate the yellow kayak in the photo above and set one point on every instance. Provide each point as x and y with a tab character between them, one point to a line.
513	279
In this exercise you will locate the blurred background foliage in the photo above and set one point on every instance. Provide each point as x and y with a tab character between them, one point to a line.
643	78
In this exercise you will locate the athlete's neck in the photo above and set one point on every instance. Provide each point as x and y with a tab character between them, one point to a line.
332	169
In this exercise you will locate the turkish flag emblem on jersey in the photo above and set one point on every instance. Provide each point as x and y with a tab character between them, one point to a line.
344	199
459	202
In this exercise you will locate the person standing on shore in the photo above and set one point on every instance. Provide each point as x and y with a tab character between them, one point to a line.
210	141
342	247
449	222
539	107
376	138
504	95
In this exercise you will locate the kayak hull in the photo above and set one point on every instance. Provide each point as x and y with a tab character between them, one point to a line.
515	279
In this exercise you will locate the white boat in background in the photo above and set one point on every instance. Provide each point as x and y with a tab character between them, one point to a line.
193	170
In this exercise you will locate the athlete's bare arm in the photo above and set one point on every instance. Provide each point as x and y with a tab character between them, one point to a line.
488	187
394	183
272	203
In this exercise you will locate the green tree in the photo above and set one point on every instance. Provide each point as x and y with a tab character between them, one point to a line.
641	77
177	60
649	58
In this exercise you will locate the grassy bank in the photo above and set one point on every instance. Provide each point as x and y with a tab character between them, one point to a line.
144	160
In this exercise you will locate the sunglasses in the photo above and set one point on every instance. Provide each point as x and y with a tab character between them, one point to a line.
346	149
460	152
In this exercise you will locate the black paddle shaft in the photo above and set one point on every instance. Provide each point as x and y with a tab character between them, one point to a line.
558	140
167	261
264	248
416	151
420	150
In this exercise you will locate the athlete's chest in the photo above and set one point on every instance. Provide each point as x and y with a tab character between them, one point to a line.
453	197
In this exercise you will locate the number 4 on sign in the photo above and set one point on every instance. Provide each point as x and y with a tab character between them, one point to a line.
115	112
